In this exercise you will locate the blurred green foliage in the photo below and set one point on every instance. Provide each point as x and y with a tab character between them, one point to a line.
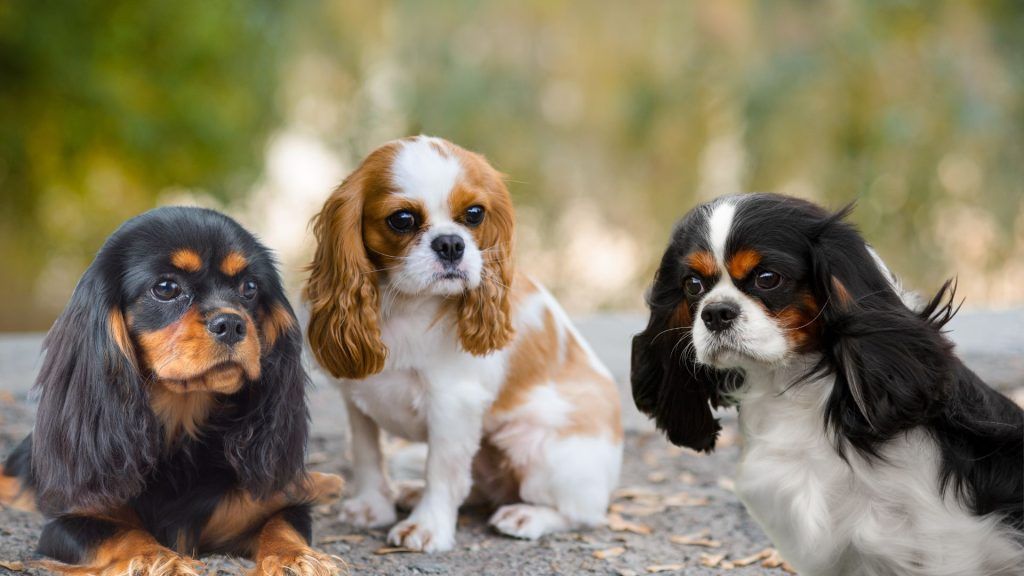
620	115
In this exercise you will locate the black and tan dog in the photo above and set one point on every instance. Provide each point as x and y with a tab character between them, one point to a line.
172	419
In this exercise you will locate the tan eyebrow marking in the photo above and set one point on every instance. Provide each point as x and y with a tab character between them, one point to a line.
233	263
187	259
742	262
703	263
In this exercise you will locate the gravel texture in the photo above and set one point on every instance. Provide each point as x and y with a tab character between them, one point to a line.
665	491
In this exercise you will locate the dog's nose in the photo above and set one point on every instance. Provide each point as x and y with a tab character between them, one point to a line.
227	328
719	315
449	247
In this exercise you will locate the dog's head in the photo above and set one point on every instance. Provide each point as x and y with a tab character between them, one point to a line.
419	217
751	283
179	302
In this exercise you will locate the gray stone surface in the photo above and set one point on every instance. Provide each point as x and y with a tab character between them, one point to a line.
991	343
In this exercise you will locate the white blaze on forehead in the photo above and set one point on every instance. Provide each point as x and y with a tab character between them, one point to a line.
421	172
719	224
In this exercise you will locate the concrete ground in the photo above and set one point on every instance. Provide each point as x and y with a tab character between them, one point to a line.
674	513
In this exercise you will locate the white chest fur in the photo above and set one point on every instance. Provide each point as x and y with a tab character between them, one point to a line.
425	365
829	516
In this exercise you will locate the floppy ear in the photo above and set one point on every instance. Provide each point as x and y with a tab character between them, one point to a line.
344	323
668	383
485	315
892	366
95	436
267	447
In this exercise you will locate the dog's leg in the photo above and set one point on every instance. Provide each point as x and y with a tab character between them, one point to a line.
99	547
454	426
282	547
238	515
373	502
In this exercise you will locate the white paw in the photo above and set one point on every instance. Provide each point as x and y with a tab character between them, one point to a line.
368	511
528	521
422	535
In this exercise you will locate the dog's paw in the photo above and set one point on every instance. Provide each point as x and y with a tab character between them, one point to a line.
156	561
303	561
324	488
368	511
527	521
422	535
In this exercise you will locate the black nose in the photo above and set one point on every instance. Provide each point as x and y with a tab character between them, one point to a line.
449	247
719	315
227	328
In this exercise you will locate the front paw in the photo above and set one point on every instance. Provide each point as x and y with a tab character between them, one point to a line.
156	561
423	535
300	562
368	511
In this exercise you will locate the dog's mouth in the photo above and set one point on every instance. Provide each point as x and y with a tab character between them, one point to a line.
223	378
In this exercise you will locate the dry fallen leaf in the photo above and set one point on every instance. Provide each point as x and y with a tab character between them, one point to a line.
656	477
619	524
609	553
774	560
698	539
664	568
350	538
625	572
384	550
711	560
684	499
634	493
636	509
12	565
727	484
687	478
747	561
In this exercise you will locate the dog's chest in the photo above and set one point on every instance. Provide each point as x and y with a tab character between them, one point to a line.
396	400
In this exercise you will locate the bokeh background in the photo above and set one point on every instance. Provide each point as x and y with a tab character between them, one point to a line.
611	119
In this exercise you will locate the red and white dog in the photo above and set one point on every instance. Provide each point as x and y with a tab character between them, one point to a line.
415	308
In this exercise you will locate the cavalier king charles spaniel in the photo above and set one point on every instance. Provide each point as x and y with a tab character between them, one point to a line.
868	447
172	417
415	308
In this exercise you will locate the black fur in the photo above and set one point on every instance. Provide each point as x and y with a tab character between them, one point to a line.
893	369
668	383
97	444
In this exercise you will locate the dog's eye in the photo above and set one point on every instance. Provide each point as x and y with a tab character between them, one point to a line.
402	221
474	215
166	290
248	289
694	286
767	280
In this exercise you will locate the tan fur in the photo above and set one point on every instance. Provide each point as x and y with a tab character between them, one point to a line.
187	259
276	321
119	332
14	495
180	412
344	325
233	263
281	551
742	263
536	360
185	352
703	263
130	553
239	512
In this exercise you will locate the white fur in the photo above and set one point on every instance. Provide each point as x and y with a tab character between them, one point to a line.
431	390
825	515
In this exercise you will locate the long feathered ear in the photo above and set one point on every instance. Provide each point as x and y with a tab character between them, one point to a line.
95	437
344	323
668	383
891	364
485	312
267	447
